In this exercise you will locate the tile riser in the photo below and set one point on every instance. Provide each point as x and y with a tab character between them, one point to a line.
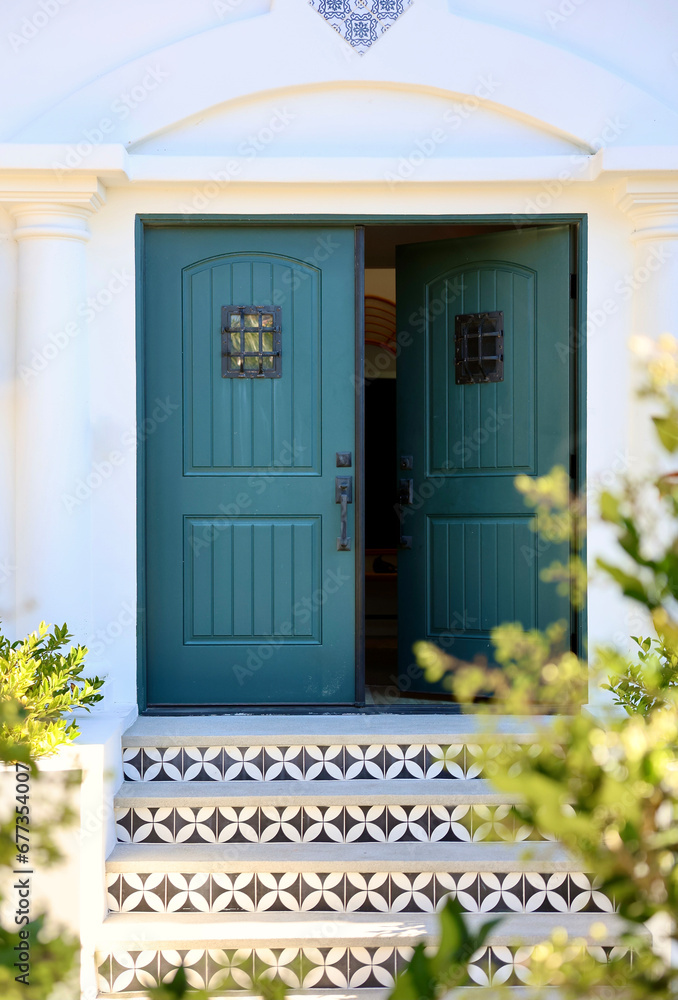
310	968
306	763
412	892
317	824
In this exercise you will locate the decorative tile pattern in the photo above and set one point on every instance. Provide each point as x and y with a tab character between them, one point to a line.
361	22
321	824
301	968
347	892
308	763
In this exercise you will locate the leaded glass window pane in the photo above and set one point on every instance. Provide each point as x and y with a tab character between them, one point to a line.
251	339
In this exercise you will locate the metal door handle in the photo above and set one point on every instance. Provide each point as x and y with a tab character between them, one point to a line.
343	494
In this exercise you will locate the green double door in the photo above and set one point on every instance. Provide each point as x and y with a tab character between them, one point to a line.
249	361
249	390
468	427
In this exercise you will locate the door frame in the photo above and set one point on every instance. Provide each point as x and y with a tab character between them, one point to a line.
578	226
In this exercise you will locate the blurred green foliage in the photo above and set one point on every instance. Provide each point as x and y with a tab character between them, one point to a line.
605	785
41	682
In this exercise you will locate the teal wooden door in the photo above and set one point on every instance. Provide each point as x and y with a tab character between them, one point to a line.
248	600
474	563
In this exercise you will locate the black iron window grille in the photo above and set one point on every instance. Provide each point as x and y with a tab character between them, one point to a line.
250	342
479	348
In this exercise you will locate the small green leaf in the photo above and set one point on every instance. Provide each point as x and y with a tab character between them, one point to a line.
609	507
667	431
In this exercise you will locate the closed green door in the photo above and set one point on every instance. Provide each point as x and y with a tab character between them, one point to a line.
248	396
474	562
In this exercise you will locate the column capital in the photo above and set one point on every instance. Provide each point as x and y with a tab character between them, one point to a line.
652	206
41	207
49	220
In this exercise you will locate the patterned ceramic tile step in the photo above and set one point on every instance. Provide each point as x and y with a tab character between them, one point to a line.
350	892
324	824
482	993
310	762
358	951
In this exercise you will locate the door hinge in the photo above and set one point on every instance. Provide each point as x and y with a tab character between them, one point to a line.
573	286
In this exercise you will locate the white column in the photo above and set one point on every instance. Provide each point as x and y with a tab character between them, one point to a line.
53	557
7	365
652	207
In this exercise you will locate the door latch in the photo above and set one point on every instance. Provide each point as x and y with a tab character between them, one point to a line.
406	492
405	499
343	494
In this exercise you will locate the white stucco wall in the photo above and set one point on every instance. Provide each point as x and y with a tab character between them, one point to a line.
254	108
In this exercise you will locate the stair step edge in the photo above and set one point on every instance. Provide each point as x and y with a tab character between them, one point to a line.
435	791
329	730
130	931
541	857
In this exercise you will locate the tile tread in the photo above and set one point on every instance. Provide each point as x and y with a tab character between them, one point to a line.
538	856
288	793
209	930
287	730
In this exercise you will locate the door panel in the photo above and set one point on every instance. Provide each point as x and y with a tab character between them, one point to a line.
240	425
474	562
248	599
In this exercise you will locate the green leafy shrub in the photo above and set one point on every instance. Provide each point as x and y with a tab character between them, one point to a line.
41	683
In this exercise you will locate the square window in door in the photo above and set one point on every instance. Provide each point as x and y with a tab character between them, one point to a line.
479	348
251	342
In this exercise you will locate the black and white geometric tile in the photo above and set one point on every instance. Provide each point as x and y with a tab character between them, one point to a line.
321	824
350	892
361	22
307	763
301	968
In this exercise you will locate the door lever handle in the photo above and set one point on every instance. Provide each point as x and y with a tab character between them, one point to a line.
343	494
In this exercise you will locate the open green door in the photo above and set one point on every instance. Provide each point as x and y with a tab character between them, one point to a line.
467	427
248	358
